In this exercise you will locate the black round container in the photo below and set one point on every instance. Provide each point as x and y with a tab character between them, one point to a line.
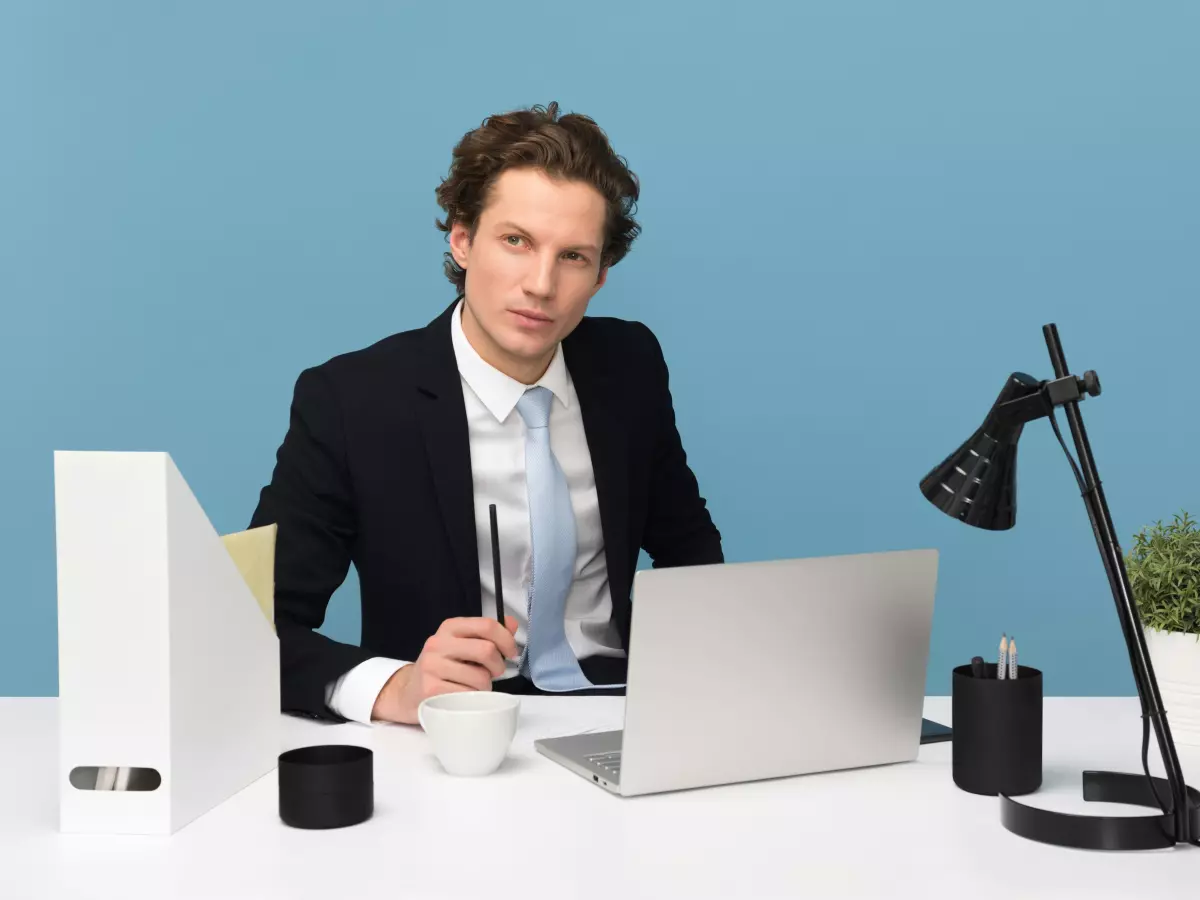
997	743
327	786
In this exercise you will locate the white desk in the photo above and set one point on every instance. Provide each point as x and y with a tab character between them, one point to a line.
538	832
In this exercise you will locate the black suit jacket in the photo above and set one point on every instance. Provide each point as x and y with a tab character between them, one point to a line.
375	470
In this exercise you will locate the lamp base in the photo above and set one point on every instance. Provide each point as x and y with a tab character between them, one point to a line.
1104	832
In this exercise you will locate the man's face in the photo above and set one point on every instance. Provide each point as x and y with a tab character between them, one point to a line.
531	269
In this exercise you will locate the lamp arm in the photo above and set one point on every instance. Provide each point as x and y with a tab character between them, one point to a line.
1118	579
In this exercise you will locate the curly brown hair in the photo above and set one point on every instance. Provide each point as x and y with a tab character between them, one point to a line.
571	146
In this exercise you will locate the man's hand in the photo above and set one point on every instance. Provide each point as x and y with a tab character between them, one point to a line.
464	655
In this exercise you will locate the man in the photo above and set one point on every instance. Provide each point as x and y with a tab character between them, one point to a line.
511	397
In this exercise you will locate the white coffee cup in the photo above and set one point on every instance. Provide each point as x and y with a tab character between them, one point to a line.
470	730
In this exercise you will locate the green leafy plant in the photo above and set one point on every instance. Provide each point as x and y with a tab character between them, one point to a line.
1164	572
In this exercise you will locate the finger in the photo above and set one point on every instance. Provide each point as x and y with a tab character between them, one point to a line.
468	675
474	650
475	678
510	622
482	627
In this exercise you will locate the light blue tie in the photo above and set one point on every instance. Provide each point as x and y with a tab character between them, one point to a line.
548	660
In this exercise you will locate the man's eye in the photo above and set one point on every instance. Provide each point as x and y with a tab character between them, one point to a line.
574	256
514	240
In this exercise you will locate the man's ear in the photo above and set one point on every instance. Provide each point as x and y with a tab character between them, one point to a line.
601	278
460	243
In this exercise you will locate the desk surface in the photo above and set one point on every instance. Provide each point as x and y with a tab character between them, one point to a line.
534	830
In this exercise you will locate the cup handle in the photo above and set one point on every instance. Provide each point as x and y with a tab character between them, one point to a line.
421	714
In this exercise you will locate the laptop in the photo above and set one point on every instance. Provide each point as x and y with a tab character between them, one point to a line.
746	671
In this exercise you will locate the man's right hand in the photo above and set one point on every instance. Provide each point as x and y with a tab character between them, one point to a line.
464	655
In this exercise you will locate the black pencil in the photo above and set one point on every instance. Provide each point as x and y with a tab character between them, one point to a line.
496	566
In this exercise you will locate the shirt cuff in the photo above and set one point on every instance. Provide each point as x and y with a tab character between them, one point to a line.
353	695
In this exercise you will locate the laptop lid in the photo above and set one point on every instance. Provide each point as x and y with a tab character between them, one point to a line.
744	671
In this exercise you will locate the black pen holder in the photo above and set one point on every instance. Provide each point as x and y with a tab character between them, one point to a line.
326	786
997	744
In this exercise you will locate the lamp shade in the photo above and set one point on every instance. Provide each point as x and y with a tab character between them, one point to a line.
977	483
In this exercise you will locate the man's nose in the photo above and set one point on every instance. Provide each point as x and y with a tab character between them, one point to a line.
540	276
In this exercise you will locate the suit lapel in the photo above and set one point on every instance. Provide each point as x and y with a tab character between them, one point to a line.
443	417
607	433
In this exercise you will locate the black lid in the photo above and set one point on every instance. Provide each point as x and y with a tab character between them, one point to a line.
326	786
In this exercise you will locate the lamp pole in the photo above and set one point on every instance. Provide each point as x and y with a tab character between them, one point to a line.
1118	579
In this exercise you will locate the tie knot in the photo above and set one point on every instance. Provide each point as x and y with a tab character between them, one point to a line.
534	407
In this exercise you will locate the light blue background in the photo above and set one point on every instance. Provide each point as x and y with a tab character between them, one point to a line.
857	218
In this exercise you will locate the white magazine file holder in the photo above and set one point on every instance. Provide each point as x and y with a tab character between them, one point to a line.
168	658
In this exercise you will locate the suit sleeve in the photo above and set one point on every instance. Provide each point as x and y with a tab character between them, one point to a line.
311	500
679	529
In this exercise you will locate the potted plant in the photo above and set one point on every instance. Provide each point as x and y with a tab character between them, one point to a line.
1164	572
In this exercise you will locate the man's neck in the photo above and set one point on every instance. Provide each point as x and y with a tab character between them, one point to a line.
522	370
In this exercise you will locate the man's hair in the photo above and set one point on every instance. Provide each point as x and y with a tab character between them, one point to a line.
572	147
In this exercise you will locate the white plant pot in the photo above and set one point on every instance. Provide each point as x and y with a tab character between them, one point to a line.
1176	660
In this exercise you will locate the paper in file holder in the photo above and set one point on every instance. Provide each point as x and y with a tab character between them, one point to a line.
168	659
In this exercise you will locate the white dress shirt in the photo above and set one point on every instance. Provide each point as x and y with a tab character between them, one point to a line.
497	439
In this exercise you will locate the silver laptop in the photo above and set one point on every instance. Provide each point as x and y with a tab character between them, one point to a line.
745	671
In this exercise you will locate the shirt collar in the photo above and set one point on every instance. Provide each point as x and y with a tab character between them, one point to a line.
495	390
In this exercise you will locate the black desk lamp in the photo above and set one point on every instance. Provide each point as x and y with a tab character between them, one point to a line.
977	484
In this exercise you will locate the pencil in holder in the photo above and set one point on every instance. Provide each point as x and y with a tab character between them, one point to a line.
997	745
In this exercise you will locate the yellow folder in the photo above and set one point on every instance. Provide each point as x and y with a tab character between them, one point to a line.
253	553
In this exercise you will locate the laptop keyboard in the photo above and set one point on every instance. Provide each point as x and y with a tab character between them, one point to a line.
609	762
